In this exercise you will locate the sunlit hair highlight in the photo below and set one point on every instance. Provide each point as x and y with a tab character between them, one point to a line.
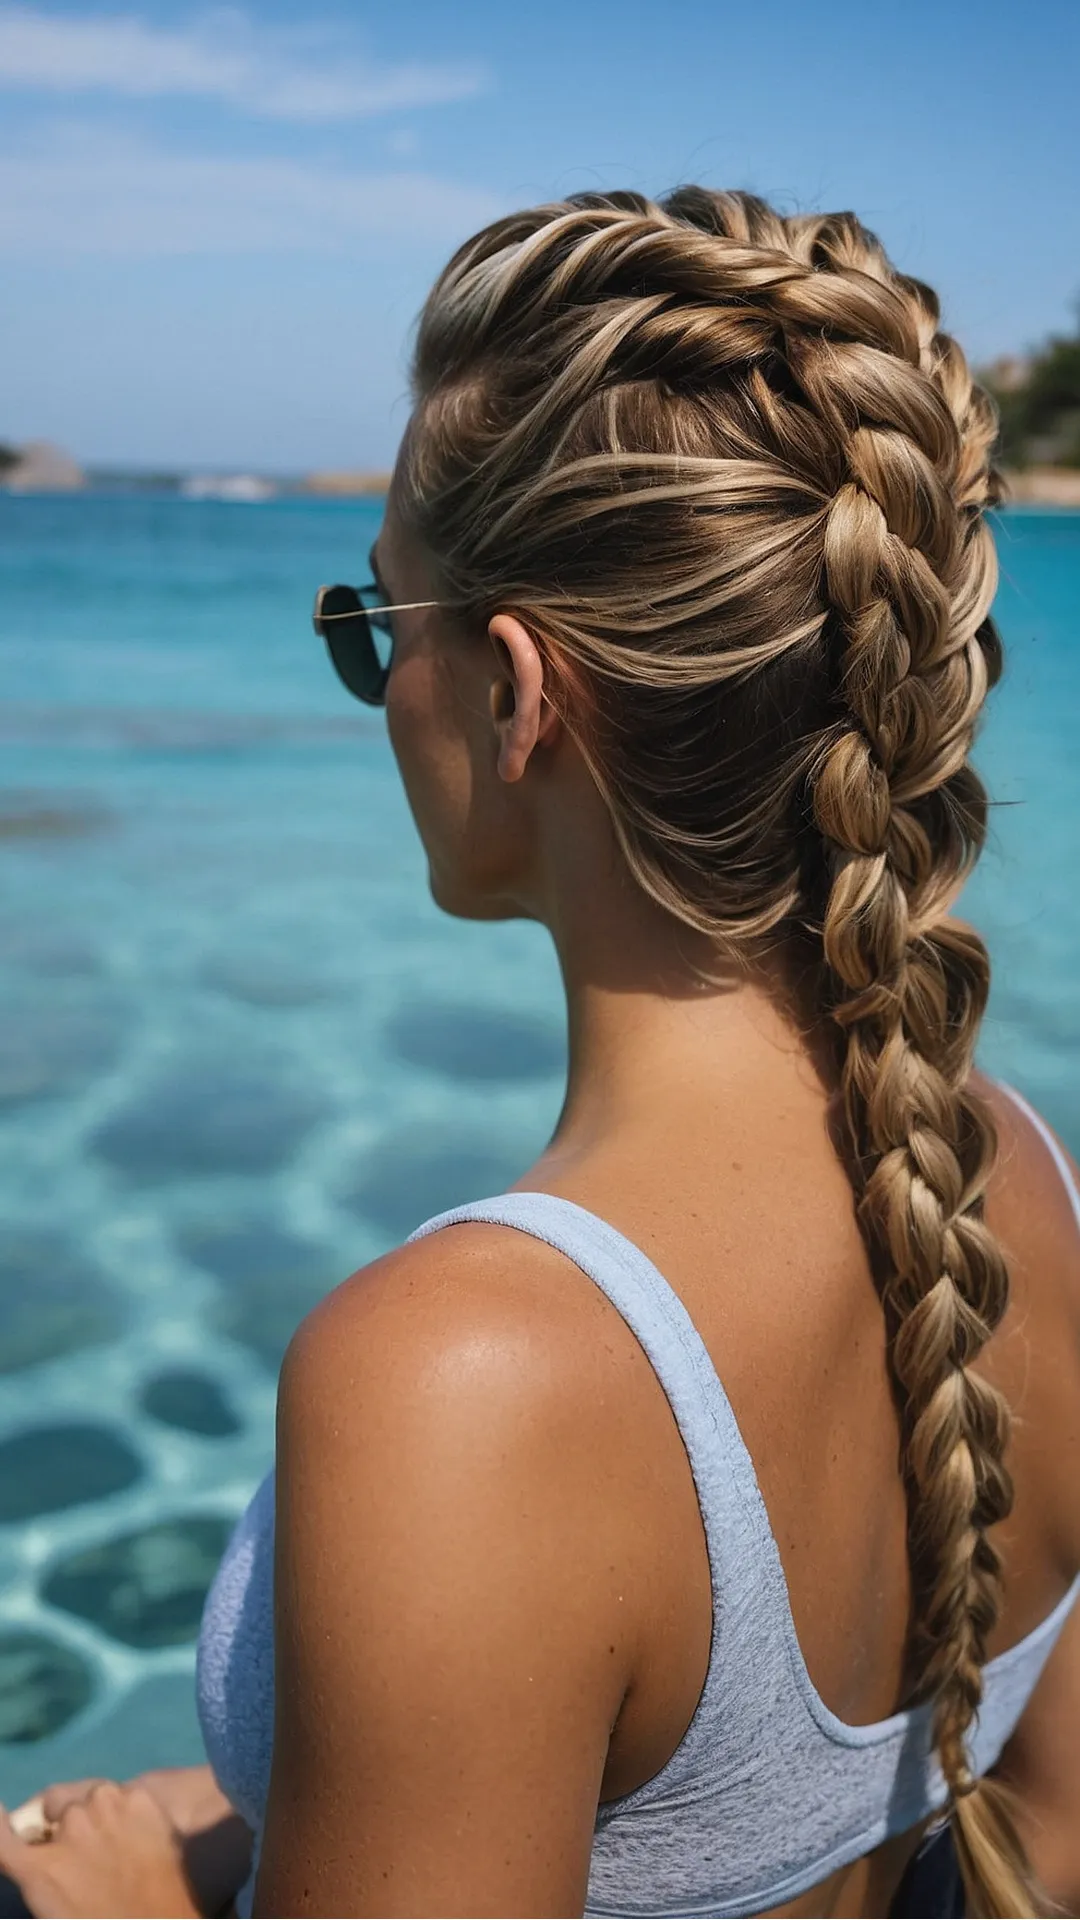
729	470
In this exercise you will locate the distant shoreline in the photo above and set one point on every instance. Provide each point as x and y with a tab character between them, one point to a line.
1053	487
239	490
39	466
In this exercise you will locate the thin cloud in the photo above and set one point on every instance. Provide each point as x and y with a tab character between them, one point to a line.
224	57
125	198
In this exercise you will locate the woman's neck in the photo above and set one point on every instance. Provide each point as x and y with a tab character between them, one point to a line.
659	1020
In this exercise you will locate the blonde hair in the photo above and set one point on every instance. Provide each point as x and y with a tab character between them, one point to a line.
729	470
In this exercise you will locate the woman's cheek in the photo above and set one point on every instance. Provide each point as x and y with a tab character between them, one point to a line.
433	763
408	715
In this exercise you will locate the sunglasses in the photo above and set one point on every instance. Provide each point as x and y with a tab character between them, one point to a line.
355	624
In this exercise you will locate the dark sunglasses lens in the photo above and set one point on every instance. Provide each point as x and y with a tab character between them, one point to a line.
342	621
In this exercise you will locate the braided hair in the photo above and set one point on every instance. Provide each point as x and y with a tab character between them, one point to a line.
728	468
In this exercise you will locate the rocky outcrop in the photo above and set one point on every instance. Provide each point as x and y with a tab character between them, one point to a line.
1045	486
39	467
347	483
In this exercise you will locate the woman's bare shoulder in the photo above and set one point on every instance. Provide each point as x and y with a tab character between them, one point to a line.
489	1294
477	1335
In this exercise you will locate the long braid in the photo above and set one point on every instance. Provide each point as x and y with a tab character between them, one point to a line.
904	816
759	419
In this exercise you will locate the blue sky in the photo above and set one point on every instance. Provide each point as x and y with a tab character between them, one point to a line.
217	223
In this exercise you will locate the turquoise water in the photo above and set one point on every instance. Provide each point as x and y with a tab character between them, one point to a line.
241	1053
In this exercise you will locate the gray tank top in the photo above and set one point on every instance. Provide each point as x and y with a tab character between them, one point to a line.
768	1792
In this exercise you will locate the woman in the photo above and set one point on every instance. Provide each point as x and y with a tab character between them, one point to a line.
690	588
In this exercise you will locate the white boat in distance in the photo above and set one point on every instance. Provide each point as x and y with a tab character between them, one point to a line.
247	488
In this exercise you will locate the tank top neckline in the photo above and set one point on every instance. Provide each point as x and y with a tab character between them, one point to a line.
500	1210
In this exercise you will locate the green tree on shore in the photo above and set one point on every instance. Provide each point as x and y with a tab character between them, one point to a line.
1039	403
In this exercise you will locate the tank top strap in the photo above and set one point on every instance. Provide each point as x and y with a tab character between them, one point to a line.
749	1595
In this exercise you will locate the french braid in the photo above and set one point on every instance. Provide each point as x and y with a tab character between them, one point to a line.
727	464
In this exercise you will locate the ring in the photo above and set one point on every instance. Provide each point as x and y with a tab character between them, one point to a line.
31	1823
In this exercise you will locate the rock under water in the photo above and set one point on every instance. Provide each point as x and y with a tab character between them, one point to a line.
43	1685
145	1588
52	1299
45	1469
207	1118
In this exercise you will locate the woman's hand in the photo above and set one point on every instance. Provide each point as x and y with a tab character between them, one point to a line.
113	1852
189	1797
215	1843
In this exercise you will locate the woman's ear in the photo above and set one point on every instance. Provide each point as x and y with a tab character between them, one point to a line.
521	716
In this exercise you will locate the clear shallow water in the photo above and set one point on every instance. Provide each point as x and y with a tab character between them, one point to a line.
241	1053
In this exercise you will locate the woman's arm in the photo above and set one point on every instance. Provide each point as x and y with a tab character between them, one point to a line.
451	1653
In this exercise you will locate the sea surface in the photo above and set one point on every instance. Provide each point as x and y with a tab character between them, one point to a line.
241	1053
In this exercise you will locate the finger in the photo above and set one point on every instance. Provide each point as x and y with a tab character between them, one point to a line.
105	1797
64	1793
81	1818
145	1807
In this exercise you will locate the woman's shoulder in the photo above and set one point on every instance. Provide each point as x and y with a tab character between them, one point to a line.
477	1373
474	1297
477	1338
